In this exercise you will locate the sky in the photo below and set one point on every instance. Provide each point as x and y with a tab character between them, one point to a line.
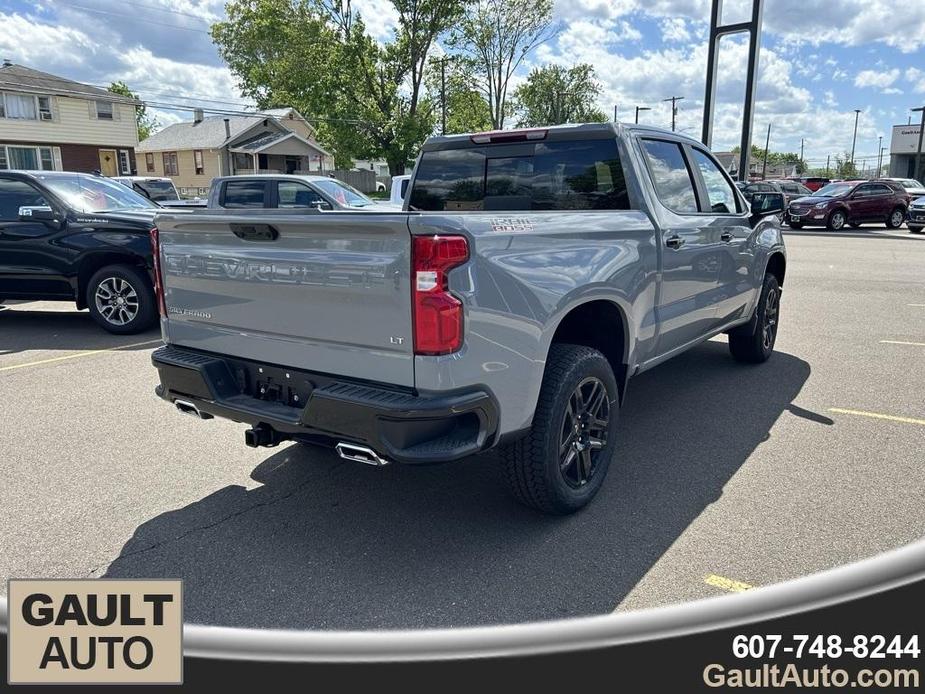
820	60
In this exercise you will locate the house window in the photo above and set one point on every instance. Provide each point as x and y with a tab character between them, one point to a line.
19	106
149	162
170	164
28	158
125	164
104	110
45	108
197	157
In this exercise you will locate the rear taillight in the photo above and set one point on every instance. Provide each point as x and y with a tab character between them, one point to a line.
438	315
158	276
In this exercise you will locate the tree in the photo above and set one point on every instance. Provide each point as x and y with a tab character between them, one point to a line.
775	158
495	36
367	99
466	109
553	95
146	124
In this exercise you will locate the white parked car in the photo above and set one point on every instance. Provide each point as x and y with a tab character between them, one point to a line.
399	189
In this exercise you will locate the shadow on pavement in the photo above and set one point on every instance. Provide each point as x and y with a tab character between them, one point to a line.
22	330
328	544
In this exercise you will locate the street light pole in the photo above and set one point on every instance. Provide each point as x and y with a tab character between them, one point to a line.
641	108
879	156
674	109
615	119
857	113
918	151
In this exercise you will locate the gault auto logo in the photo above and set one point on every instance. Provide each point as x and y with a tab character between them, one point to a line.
97	631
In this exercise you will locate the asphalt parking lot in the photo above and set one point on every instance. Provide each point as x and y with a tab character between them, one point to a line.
730	476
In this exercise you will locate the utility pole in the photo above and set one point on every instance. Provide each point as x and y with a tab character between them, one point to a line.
827	157
918	151
857	112
615	119
767	143
674	108
641	108
801	151
879	156
443	96
882	150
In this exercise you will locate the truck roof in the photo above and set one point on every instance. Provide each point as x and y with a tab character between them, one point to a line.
555	133
288	177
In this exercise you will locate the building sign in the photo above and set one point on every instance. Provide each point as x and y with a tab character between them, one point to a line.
905	139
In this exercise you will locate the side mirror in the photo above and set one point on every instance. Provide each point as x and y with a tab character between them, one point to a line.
323	205
766	204
39	213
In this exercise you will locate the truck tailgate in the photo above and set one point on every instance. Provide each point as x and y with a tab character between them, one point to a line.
324	292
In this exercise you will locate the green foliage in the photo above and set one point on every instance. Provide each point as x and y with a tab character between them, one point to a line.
553	95
316	56
775	158
145	123
466	109
495	36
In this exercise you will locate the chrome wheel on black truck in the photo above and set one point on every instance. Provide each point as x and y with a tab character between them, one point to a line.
121	299
560	465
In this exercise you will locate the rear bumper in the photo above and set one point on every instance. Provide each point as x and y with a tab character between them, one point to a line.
400	425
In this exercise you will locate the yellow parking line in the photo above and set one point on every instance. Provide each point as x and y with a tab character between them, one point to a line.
727	584
877	415
78	354
900	342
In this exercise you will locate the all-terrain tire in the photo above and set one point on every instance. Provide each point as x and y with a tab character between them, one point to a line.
756	347
533	464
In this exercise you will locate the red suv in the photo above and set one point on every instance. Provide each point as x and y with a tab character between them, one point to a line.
852	203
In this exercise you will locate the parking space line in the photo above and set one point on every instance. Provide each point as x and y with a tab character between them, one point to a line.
877	415
727	584
918	305
901	342
86	353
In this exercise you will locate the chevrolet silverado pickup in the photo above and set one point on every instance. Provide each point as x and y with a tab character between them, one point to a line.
529	276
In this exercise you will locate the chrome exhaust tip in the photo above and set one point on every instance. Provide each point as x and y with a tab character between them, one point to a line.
360	454
186	407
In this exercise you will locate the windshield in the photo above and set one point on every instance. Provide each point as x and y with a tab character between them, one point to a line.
94	194
343	194
833	189
910	184
157	190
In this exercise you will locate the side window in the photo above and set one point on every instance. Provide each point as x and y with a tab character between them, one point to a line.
671	176
240	194
16	194
881	190
719	190
864	191
294	194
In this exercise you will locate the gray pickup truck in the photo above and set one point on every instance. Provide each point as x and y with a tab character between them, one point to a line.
530	275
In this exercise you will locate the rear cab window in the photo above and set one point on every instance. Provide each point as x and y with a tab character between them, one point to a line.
522	176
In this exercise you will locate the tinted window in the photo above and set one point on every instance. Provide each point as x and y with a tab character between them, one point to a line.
719	190
582	175
16	194
670	174
881	190
294	194
244	194
157	190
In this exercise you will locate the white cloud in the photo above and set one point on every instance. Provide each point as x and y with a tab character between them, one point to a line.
874	78
674	29
917	78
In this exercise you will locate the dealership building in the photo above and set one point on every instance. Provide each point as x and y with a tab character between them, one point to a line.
903	146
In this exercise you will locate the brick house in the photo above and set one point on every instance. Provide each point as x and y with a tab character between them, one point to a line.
52	123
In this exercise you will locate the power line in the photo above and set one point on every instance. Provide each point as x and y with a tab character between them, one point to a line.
128	16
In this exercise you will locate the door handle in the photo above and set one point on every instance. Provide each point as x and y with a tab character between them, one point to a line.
726	236
674	241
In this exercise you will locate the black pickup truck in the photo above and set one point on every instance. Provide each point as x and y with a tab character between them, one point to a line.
82	238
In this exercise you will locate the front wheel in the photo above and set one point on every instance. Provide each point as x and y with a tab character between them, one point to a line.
560	465
837	220
121	300
756	347
896	218
914	229
795	225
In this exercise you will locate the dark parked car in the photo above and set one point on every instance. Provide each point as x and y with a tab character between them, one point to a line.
791	189
82	238
852	203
